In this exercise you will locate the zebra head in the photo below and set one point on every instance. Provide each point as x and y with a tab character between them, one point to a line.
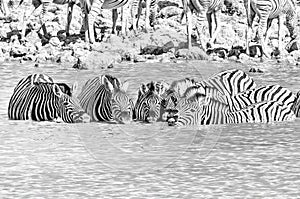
69	108
148	104
178	89
121	103
189	110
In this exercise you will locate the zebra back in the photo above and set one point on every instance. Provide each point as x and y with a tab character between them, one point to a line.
230	82
38	98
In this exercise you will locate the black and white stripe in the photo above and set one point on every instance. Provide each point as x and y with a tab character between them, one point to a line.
38	98
104	98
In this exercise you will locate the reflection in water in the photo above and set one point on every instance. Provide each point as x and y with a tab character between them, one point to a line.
147	160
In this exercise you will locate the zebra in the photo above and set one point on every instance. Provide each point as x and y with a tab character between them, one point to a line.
208	7
226	83
201	109
136	10
4	7
38	98
45	3
296	105
148	105
267	10
104	98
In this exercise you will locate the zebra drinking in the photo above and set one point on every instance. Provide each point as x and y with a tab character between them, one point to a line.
148	105
104	98
38	98
200	109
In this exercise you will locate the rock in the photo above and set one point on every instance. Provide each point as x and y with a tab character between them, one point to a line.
255	70
18	51
80	65
139	58
194	53
296	55
94	60
293	45
236	51
244	57
54	41
170	11
219	52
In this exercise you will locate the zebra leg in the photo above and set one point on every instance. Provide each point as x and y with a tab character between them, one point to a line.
42	17
147	22
26	17
4	8
280	34
262	29
188	15
69	17
250	17
217	27
114	19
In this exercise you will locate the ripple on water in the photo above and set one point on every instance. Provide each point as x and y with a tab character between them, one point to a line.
147	160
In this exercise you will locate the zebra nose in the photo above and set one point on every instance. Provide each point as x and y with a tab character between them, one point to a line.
125	117
86	118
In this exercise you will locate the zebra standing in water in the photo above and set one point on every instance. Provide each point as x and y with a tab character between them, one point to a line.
38	98
45	3
232	97
104	98
148	105
201	7
201	109
267	10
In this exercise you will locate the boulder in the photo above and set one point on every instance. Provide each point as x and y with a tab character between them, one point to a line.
95	60
194	53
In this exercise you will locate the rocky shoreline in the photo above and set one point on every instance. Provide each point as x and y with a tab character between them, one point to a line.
167	43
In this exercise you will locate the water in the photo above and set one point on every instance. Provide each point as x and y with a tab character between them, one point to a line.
47	160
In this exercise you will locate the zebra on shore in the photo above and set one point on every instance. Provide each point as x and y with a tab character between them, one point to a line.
148	105
204	7
136	10
35	4
267	10
38	98
105	98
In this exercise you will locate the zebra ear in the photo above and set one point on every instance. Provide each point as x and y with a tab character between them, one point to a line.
108	85
57	91
125	86
75	89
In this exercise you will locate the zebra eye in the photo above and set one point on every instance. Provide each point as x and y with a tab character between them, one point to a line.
193	110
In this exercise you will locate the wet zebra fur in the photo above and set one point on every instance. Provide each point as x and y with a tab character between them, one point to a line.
38	98
104	98
200	109
148	105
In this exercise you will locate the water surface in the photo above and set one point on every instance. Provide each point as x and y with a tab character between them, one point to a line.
47	160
